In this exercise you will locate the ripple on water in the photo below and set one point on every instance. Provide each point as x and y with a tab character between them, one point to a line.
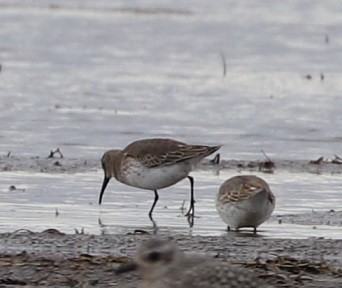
69	201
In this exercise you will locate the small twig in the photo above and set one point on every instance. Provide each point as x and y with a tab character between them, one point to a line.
9	281
140	232
216	159
263	152
100	223
14	188
224	64
320	160
52	153
337	160
267	165
57	164
22	231
79	232
337	157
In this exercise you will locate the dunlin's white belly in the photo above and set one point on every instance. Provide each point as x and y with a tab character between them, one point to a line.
139	176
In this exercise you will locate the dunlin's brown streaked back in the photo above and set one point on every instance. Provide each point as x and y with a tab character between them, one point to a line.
163	265
154	164
245	201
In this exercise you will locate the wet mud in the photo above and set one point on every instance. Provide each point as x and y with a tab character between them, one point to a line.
55	259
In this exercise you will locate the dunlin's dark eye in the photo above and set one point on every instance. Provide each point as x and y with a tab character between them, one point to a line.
153	256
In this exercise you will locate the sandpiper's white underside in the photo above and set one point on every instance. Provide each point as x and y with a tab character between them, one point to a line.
250	212
137	175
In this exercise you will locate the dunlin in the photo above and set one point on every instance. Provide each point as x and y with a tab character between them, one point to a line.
154	164
245	201
163	265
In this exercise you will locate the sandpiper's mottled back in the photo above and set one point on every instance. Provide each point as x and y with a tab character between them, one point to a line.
245	201
154	164
163	265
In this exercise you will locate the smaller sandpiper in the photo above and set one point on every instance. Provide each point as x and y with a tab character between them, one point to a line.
163	265
154	164
245	201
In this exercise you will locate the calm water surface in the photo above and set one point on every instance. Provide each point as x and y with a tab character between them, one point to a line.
125	209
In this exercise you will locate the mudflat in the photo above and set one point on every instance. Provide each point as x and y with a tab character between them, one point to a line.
54	259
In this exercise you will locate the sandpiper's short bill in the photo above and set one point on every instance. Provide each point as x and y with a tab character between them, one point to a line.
154	164
163	265
245	201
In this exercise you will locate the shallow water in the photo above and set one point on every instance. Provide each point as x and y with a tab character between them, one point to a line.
87	77
74	197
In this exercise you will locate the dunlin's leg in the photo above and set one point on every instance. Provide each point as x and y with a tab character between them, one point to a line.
156	197
191	211
104	185
191	220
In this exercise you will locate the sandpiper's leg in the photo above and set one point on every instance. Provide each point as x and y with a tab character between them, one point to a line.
191	211
104	185
191	220
255	231
156	197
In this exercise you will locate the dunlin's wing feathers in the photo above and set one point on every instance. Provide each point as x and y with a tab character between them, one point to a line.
161	152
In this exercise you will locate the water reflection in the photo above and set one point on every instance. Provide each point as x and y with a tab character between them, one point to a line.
74	196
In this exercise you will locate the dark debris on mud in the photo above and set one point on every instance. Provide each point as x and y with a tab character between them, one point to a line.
55	259
48	164
56	162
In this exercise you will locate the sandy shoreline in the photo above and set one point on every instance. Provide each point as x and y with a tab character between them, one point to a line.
55	259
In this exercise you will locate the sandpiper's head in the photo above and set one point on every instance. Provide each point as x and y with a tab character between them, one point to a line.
154	258
109	162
